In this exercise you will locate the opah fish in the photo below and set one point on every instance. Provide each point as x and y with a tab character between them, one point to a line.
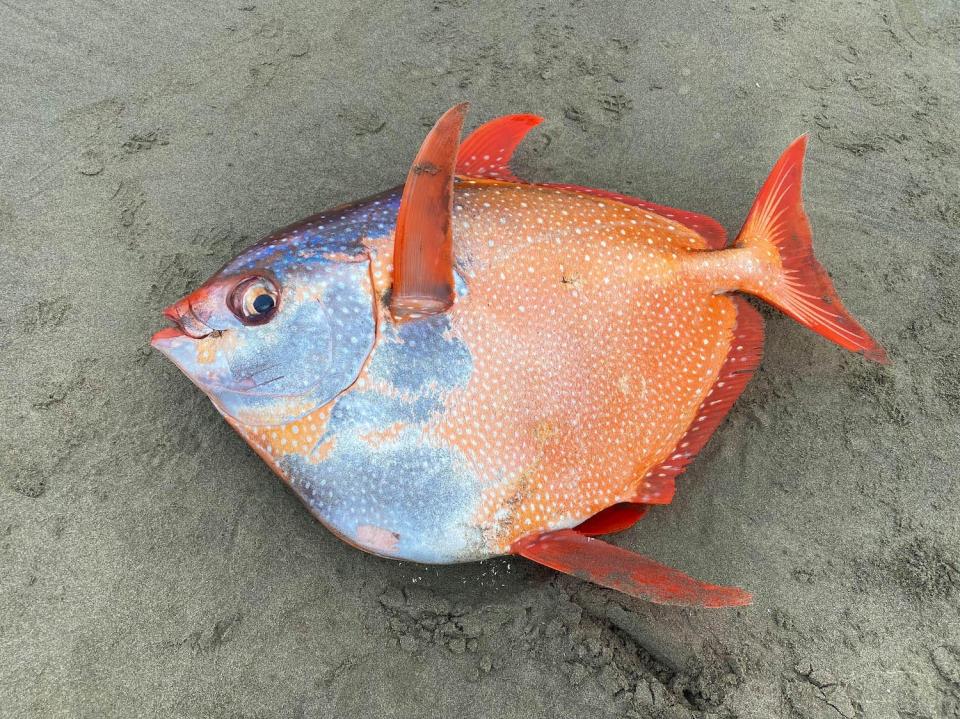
473	365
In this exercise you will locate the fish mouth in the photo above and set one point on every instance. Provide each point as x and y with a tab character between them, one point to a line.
165	335
185	324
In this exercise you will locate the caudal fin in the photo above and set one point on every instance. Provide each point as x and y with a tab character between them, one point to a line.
778	233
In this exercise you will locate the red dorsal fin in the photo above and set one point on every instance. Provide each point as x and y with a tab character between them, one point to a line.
707	227
613	519
486	152
570	552
746	349
423	242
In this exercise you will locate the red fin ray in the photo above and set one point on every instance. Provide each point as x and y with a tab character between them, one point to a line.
423	243
657	488
778	225
572	553
487	151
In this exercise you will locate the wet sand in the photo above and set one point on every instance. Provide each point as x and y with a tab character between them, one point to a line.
151	564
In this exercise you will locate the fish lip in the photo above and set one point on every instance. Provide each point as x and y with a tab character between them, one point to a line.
185	322
163	336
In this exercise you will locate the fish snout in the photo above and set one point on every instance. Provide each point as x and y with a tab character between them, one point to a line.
185	317
188	317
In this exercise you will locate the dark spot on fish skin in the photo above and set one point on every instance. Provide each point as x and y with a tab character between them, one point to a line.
427	168
570	281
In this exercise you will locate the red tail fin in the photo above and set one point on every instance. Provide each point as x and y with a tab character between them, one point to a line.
778	232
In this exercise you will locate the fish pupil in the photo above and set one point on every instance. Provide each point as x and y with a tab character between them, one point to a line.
263	304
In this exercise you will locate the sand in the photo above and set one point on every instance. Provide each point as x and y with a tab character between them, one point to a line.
151	565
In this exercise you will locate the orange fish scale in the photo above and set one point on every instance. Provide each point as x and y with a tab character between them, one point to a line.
592	351
297	437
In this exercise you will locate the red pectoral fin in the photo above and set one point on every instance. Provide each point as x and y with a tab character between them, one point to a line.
423	242
570	552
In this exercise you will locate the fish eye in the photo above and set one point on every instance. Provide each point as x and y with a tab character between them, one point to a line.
254	300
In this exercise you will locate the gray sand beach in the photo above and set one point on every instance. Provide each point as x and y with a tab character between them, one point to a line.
152	566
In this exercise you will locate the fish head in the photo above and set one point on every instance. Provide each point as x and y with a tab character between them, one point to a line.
278	332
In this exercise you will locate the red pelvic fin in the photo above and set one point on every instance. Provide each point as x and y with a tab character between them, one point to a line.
746	350
570	552
423	242
778	227
613	519
487	151
707	227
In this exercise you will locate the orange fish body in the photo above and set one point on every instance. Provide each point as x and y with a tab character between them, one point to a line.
551	360
596	337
